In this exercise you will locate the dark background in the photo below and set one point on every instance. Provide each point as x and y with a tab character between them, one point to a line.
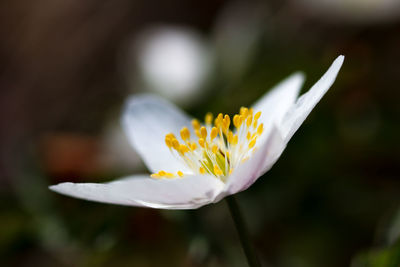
66	67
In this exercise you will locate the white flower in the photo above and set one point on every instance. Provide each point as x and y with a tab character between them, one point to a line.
211	161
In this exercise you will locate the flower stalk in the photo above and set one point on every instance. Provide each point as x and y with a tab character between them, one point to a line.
241	228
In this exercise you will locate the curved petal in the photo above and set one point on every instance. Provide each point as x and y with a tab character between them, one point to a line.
276	102
188	192
249	171
146	120
299	112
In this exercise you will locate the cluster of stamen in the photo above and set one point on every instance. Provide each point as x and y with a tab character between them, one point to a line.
215	148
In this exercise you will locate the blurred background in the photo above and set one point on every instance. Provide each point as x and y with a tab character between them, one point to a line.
66	67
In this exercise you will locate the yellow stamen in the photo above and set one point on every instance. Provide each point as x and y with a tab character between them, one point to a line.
244	111
169	175
227	121
170	135
260	129
218	120
214	133
249	120
193	146
230	137
208	118
196	124
185	133
217	170
213	155
242	119
214	149
252	143
201	142
168	141
183	149
197	132
255	123
235	139
236	121
203	132
175	144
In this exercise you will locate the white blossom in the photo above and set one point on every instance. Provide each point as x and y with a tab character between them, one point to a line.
195	164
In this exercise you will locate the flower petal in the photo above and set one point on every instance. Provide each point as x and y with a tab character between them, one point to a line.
189	192
146	120
249	171
276	102
299	112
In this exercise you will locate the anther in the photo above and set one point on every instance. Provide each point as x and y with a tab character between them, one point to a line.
196	124
183	149
170	135
217	170
214	149
218	120
236	121
175	144
230	137
255	123
203	132
249	120
244	111
260	129
185	133
208	118
197	132
193	146
168	141
227	121
169	175
201	142
252	143
214	133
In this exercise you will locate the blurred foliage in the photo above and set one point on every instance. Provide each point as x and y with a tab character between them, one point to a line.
331	200
389	257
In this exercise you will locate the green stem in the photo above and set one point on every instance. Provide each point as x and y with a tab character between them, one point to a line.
241	228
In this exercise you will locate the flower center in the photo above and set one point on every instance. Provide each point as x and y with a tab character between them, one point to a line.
215	149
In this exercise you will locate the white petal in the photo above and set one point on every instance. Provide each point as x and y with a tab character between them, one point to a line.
277	145
188	192
299	112
146	120
276	102
249	171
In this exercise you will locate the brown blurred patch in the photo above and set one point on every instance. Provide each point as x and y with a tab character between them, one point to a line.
69	156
